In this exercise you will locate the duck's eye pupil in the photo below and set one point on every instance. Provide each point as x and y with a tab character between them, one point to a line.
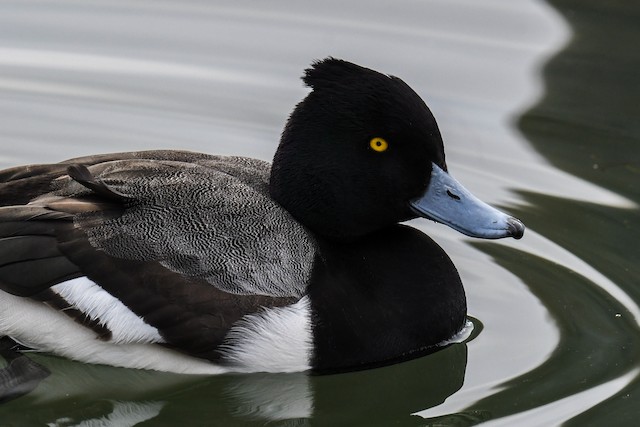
378	144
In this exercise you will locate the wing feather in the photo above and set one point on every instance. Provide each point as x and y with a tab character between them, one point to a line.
169	234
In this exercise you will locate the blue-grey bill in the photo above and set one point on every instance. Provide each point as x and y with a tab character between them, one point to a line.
448	202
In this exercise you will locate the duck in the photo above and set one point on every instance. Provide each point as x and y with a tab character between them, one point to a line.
204	264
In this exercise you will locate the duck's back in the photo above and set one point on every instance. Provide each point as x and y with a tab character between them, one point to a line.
207	217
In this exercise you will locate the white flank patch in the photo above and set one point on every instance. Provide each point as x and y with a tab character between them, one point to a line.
100	305
273	340
41	327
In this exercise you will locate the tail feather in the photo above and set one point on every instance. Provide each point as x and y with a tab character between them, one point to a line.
18	186
19	248
33	219
30	260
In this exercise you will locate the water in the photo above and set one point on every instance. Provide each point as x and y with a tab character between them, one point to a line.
538	105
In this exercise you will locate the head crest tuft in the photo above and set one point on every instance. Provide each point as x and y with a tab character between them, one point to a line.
330	72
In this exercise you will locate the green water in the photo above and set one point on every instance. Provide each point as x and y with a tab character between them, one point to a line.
586	124
556	341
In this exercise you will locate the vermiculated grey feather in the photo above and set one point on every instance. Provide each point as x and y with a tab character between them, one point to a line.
212	219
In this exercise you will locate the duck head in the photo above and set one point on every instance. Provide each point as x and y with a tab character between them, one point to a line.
362	152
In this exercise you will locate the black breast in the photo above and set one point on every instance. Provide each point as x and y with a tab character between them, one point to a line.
391	296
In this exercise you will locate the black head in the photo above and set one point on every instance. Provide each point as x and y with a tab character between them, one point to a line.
355	151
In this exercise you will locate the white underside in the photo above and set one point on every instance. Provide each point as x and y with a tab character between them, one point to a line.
272	340
43	328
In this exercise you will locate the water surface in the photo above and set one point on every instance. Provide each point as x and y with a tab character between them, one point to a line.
537	103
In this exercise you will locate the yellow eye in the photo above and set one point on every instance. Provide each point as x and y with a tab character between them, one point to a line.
378	144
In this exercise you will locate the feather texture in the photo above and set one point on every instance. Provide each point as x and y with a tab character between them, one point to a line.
183	245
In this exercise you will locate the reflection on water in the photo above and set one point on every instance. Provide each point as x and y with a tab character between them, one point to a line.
587	124
560	307
21	375
595	339
123	396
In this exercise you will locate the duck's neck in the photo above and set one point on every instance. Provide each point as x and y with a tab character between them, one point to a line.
392	295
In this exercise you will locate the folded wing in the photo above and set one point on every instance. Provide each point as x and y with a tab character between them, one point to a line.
189	243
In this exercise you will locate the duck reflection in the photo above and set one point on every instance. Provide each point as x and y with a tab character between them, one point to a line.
21	375
76	393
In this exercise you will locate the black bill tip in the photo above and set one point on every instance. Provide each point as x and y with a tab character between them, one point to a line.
515	227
